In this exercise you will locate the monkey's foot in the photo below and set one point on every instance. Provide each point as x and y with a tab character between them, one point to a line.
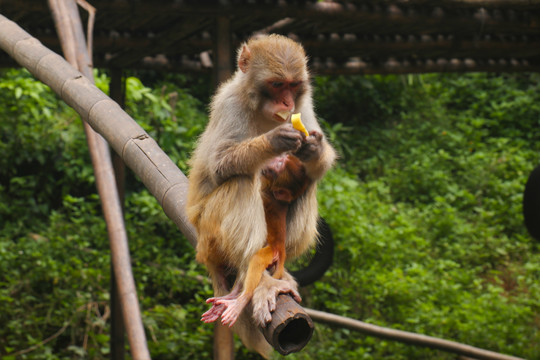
265	296
213	314
233	309
217	309
232	295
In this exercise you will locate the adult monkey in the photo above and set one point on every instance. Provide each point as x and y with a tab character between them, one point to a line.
247	128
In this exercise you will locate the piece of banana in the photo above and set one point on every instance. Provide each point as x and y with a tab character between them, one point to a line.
297	123
284	115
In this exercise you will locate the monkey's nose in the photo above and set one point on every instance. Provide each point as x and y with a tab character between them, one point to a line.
289	105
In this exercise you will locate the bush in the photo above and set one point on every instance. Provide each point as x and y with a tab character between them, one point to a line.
429	229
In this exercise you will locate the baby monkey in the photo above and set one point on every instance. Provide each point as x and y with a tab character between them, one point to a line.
283	180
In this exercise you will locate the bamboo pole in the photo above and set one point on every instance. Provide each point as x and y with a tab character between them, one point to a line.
69	28
291	327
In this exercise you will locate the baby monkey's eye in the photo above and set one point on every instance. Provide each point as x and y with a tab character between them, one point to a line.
277	84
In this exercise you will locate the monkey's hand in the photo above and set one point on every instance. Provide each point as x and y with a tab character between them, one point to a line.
264	297
311	147
284	138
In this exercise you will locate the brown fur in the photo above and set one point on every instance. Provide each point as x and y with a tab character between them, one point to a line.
224	198
283	181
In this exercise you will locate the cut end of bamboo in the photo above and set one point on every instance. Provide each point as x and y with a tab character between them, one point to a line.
291	327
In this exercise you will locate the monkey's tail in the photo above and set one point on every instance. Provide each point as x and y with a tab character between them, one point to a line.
250	334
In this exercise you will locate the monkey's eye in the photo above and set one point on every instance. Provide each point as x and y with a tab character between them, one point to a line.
295	84
277	84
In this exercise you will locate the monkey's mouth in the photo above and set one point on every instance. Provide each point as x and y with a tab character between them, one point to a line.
282	116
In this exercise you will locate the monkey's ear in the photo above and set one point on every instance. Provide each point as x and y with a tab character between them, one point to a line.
244	59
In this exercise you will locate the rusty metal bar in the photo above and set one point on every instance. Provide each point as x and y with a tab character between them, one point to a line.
117	340
223	67
223	63
408	337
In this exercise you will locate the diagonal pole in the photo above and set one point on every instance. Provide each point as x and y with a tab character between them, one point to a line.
69	28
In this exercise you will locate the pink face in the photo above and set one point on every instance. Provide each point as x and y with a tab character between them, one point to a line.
283	95
285	177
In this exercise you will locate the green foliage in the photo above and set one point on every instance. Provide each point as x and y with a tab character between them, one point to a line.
43	153
172	117
359	100
429	229
54	285
425	207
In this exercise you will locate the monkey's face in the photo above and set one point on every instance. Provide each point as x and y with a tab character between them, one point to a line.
276	75
273	169
281	97
285	176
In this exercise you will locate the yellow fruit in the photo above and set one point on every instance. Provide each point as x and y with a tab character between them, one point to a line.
297	123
